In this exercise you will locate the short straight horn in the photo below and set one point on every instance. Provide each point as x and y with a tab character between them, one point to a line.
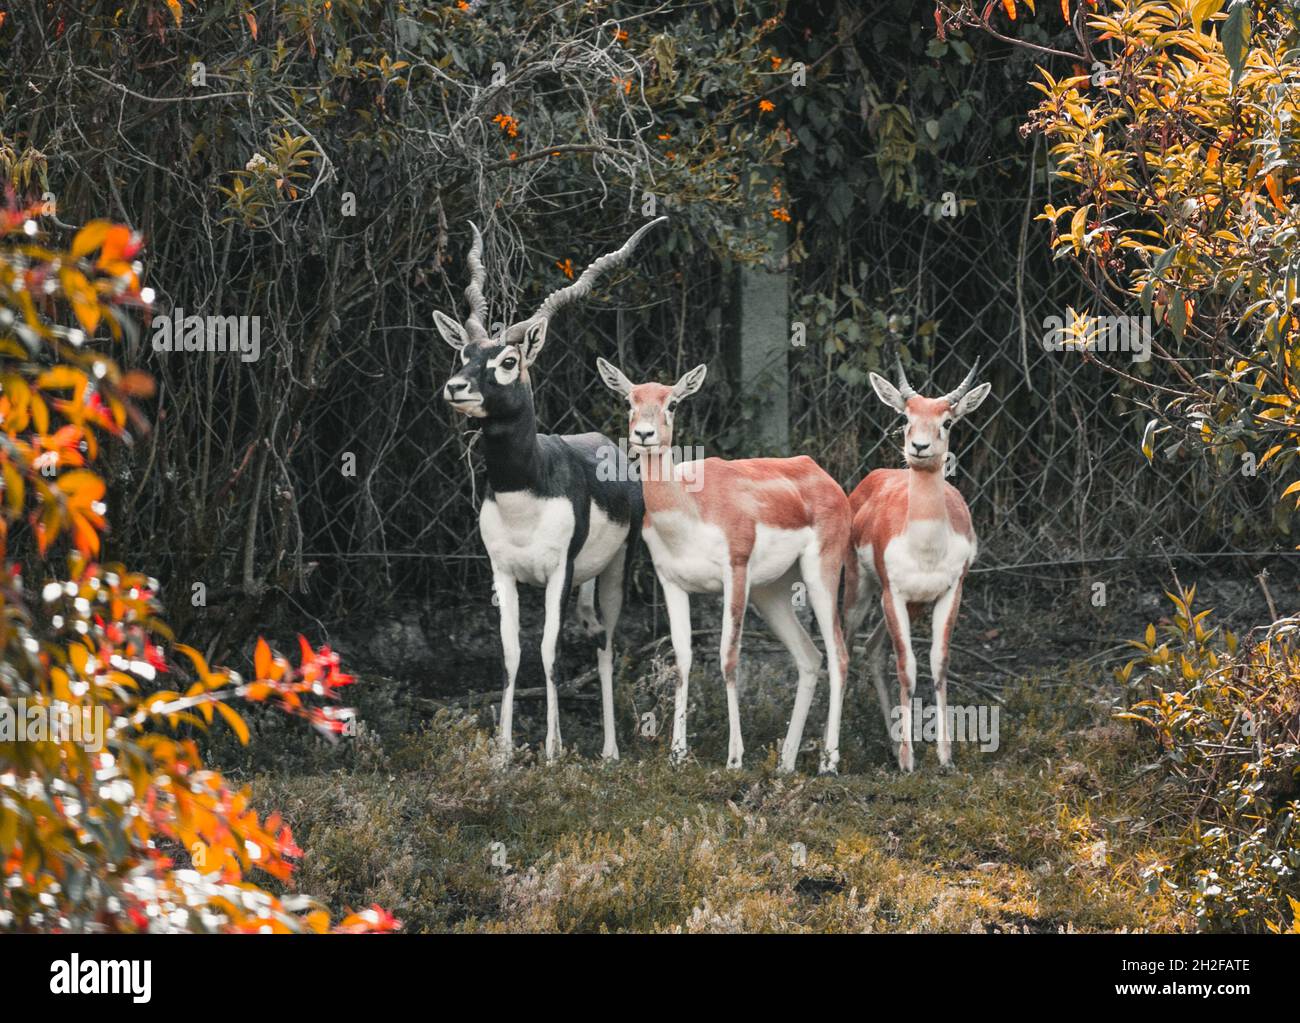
904	388
582	286
953	397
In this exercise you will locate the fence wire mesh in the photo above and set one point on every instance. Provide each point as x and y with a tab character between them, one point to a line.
1051	464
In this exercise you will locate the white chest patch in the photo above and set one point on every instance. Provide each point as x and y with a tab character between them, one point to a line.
528	537
687	552
926	560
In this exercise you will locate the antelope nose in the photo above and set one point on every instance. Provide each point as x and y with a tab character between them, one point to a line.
455	385
920	449
644	435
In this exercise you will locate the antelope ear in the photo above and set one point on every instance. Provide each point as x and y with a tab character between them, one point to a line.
452	332
534	337
887	392
972	399
613	377
691	381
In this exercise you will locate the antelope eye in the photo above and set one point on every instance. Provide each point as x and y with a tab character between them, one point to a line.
509	363
947	424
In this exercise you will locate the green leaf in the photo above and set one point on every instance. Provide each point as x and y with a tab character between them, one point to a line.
1236	36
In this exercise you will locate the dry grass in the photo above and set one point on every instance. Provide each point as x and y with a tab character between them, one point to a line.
1044	834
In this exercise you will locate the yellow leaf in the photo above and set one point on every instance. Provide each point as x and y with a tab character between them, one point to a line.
235	722
80	292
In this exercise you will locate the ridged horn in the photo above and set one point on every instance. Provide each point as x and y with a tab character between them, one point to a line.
557	300
478	310
952	397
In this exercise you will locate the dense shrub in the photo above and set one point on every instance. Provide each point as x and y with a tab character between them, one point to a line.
1224	714
109	820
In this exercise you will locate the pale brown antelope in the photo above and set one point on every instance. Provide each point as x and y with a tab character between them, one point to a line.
559	512
914	541
749	529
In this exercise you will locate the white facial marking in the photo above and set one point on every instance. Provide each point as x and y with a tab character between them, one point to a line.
506	366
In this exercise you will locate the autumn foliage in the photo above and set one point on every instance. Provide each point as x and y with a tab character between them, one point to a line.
115	825
1179	149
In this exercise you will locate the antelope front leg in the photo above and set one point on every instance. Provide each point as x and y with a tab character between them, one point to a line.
678	603
611	604
944	616
899	625
508	605
735	597
556	589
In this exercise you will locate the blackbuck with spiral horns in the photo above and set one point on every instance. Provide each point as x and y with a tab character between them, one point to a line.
560	511
914	542
750	529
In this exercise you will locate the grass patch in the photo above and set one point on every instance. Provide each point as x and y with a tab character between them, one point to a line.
1044	834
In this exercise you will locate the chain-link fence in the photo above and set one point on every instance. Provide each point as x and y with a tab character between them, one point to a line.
1051	464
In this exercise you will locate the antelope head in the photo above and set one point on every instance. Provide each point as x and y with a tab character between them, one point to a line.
929	420
492	381
650	406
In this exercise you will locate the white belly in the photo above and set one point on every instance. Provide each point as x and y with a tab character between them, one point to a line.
925	561
775	551
527	537
687	552
605	539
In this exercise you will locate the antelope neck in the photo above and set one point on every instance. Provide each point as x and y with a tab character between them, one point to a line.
511	453
925	496
659	484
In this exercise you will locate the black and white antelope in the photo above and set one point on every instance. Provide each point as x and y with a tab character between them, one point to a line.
560	511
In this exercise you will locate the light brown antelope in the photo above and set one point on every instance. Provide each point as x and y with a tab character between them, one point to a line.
914	541
749	529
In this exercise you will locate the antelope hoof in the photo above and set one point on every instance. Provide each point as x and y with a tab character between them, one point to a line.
677	756
734	763
905	761
609	753
830	762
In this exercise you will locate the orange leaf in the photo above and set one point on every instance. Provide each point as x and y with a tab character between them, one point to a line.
89	238
137	384
262	659
1270	182
252	23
